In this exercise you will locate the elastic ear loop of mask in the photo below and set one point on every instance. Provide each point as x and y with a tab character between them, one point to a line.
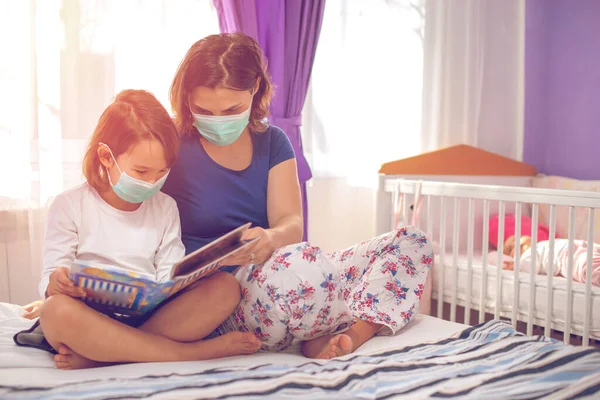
112	155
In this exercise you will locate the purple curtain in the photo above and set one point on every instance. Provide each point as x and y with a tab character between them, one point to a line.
288	32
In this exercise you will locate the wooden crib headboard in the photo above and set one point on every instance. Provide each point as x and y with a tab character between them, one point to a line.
461	159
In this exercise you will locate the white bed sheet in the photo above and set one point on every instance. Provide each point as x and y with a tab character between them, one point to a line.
32	367
559	301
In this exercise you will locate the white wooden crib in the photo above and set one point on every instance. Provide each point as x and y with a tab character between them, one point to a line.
463	278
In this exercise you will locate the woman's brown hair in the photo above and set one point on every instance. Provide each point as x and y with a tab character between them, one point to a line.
230	60
133	116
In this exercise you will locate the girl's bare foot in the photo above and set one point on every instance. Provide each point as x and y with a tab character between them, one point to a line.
328	346
237	343
230	344
68	359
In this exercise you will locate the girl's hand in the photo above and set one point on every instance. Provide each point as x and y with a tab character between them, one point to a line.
257	253
60	283
33	309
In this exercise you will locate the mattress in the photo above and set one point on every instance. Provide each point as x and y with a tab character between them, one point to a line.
559	294
429	358
26	366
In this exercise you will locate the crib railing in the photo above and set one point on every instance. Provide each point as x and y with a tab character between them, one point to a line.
439	195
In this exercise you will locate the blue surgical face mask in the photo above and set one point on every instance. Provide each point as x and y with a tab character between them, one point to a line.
222	130
133	190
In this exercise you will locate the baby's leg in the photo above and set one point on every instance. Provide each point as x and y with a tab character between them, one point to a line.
77	331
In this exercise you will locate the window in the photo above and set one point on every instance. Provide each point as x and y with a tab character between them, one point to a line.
65	62
364	103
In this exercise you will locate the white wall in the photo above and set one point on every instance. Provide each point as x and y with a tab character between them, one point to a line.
340	215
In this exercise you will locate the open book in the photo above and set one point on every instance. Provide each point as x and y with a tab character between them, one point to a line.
112	289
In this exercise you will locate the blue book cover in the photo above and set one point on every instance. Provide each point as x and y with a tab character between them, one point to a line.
111	289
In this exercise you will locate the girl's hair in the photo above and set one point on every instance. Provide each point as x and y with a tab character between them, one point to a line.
133	116
230	60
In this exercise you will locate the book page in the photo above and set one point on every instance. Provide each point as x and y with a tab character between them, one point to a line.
211	253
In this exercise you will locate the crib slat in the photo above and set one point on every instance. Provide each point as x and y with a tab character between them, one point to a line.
550	275
485	243
587	318
405	202
456	232
429	218
500	248
396	207
471	214
569	302
517	266
532	267
442	264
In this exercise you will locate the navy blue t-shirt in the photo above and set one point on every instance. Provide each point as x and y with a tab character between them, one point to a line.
214	200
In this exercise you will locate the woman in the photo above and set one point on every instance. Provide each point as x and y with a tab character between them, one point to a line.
233	168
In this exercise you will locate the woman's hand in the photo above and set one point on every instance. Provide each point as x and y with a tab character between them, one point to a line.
60	283
257	253
32	310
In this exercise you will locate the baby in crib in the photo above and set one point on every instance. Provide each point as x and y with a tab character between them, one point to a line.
560	257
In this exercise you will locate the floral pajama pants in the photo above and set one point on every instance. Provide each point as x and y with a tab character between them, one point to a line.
303	293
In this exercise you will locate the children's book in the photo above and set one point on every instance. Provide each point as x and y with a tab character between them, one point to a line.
112	289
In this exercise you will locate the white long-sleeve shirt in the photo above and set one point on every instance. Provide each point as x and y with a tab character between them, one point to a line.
82	226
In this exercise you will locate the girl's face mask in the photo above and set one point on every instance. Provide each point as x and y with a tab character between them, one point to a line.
133	190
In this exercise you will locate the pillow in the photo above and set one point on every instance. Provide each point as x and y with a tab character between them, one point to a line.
562	212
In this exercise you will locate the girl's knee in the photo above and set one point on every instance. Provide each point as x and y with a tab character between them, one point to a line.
58	311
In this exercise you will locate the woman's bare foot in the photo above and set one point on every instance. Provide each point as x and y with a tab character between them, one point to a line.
328	346
237	343
68	359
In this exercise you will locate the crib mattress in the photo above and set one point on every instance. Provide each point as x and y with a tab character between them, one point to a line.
559	295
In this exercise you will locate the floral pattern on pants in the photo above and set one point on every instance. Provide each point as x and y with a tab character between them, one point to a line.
303	293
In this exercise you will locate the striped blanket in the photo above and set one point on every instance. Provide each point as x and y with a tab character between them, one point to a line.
488	361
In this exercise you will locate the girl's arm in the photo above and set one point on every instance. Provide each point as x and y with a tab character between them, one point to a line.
171	248
60	242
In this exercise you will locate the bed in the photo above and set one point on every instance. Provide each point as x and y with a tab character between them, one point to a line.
430	358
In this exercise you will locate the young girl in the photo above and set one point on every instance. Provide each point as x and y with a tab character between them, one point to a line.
120	217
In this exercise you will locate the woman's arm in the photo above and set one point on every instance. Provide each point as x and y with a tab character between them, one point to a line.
284	204
284	212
